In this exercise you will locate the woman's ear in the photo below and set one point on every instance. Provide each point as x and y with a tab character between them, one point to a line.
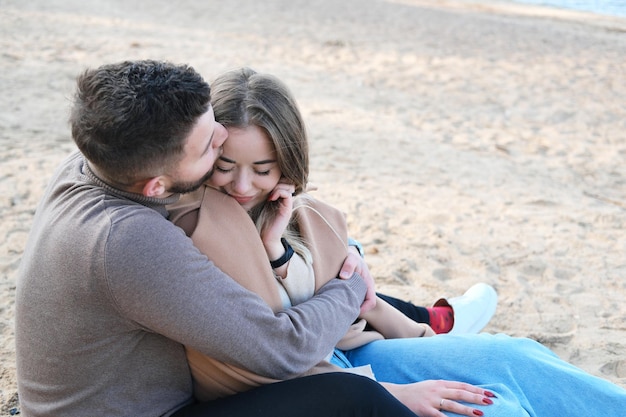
155	187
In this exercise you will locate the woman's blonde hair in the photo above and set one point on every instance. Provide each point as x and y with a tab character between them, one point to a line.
243	98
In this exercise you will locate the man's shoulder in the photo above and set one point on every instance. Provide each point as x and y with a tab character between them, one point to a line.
134	221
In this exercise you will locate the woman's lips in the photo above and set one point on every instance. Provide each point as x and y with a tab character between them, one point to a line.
242	200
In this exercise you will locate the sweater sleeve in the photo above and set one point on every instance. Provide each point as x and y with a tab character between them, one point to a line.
162	283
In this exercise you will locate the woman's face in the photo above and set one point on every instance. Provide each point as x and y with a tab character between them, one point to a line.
247	170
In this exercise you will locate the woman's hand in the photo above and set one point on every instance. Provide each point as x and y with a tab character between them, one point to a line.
428	331
429	398
282	194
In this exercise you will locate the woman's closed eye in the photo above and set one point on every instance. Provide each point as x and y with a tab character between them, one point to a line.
223	170
227	169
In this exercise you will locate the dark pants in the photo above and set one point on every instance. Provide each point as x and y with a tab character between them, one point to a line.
415	313
324	395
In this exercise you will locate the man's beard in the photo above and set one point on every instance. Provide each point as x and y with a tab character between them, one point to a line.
187	187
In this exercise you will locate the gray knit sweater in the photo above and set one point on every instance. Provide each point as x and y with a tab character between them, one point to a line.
109	291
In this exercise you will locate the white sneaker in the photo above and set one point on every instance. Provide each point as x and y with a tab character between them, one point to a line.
472	310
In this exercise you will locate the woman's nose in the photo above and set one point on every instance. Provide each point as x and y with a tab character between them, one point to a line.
242	184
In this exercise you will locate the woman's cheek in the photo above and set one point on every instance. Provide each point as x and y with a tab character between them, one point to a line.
217	179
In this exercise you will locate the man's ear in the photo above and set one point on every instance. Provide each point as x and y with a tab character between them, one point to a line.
155	187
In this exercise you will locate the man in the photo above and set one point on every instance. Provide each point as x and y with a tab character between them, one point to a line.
109	290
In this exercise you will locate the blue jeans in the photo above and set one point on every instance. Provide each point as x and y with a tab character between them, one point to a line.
527	378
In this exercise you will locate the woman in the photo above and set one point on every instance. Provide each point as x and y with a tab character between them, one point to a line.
277	170
514	369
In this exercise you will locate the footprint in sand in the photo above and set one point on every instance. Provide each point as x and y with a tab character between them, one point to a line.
615	368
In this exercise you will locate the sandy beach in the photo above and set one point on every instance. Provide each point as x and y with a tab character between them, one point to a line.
466	141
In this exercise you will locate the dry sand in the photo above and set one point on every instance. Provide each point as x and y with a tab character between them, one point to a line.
466	141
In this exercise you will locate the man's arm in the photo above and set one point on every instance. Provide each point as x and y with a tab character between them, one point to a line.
355	263
161	281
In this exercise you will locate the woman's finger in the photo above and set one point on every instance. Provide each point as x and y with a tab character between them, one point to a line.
279	193
458	393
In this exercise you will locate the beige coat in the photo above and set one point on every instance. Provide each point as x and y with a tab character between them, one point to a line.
223	230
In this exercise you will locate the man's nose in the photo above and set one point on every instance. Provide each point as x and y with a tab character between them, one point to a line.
220	137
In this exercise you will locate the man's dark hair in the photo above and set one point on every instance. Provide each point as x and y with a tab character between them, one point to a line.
131	119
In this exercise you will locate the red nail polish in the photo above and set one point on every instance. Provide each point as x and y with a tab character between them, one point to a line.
487	401
490	394
477	413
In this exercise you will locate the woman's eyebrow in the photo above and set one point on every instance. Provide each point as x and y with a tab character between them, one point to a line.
230	161
263	162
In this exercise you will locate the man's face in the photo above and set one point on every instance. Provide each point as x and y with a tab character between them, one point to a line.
202	148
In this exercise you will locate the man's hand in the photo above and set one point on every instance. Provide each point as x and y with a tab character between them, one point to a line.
354	263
